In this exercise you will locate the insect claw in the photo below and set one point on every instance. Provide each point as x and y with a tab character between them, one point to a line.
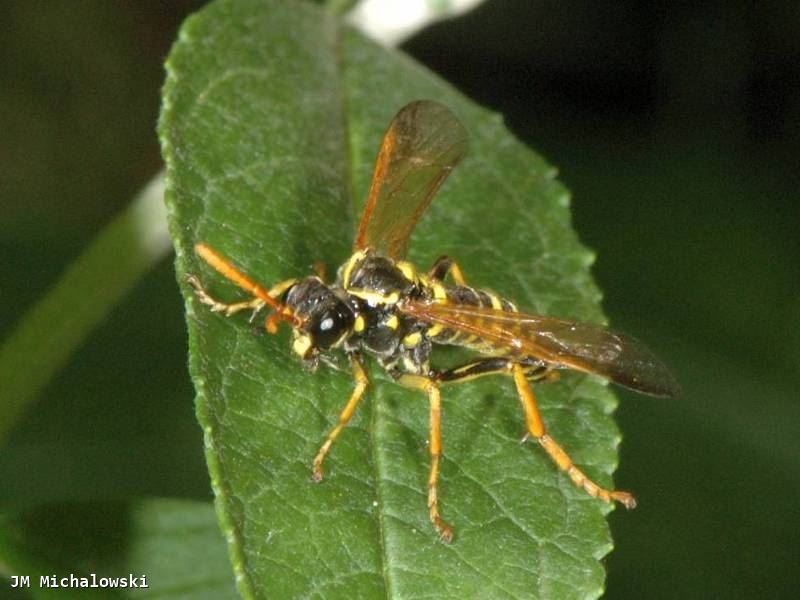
626	499
317	474
199	291
444	530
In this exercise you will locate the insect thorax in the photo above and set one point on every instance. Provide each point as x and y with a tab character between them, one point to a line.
402	343
377	284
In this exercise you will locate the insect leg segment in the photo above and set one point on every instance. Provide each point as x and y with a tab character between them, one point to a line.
523	372
255	304
361	382
495	365
228	270
320	269
431	387
536	428
445	265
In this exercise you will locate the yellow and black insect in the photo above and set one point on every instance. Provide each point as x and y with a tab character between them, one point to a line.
380	305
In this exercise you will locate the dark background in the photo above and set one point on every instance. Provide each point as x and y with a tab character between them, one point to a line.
677	131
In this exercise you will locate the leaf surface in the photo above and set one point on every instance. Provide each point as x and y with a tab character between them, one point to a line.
273	113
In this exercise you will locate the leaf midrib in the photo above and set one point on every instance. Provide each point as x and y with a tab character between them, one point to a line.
349	179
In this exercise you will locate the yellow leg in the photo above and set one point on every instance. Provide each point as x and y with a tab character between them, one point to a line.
445	265
430	387
361	381
254	304
536	428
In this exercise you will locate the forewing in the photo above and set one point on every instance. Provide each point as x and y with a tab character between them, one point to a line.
422	145
568	344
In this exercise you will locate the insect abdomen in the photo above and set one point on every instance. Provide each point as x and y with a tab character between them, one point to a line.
467	296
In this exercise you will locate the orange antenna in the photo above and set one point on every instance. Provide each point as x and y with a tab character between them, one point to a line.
225	268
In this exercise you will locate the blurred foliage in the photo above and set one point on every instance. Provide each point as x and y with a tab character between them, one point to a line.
677	130
146	540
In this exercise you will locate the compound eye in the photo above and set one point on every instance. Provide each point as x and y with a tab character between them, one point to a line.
330	328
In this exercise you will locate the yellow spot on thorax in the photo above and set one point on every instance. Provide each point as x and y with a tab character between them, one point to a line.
359	324
412	339
374	298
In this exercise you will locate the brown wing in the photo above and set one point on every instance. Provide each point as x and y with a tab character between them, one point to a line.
422	145
574	345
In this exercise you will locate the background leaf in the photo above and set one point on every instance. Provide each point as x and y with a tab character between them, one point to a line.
172	546
272	117
49	333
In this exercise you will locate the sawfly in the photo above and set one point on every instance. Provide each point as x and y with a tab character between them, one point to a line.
383	306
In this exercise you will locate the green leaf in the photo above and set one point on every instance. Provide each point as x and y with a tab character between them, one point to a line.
174	544
273	113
